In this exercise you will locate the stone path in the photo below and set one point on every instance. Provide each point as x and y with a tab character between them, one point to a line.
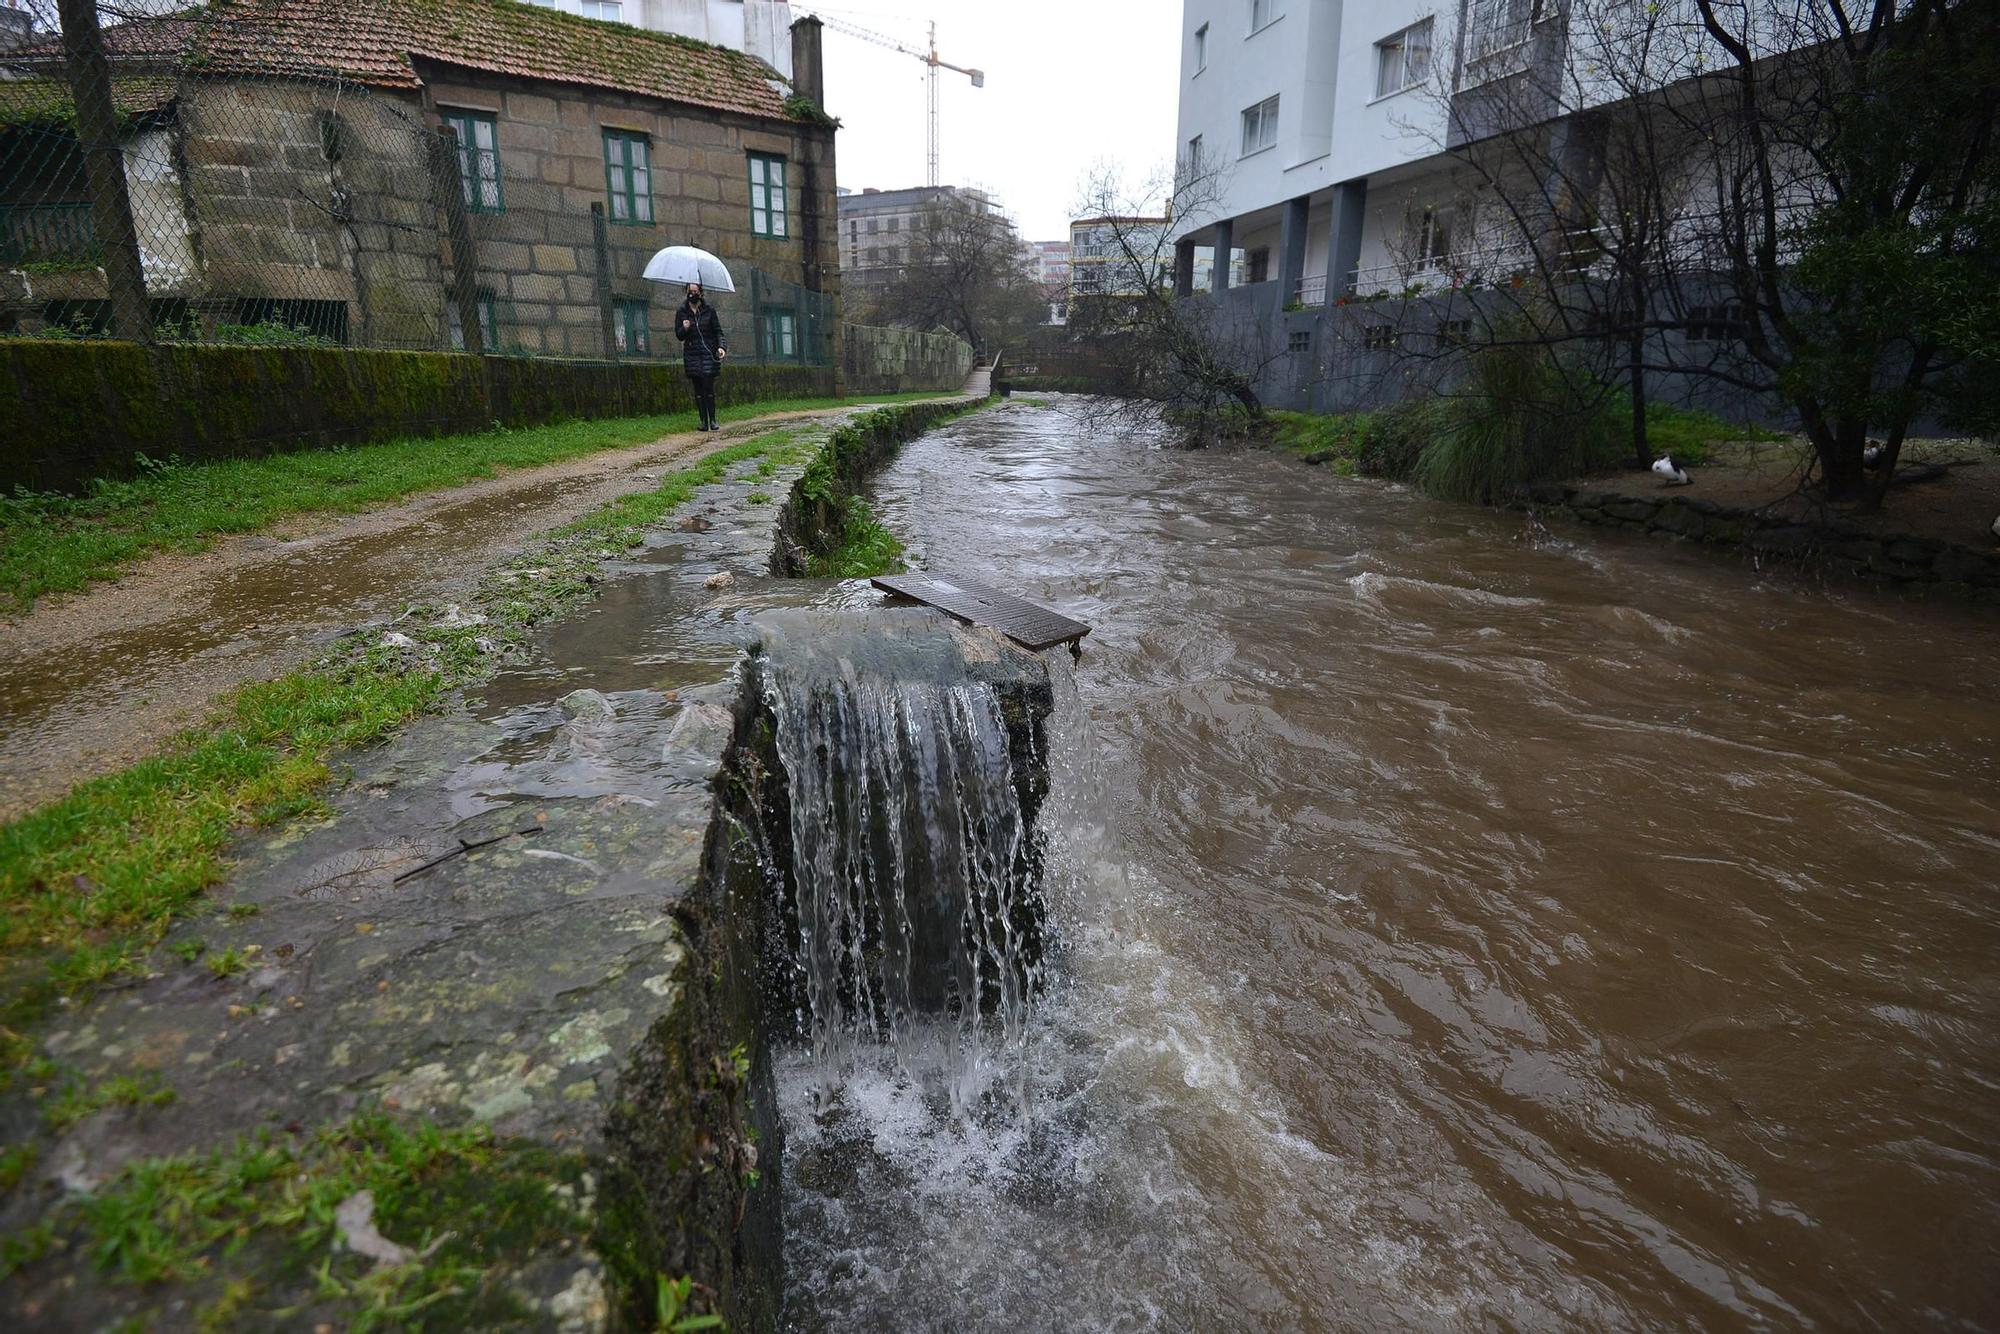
89	684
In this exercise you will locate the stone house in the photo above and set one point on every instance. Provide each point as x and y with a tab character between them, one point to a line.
367	171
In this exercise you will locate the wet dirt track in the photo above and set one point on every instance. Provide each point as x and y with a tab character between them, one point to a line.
92	682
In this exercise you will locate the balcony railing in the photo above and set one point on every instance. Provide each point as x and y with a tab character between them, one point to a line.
48	234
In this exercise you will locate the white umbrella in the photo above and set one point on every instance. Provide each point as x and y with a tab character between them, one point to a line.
684	264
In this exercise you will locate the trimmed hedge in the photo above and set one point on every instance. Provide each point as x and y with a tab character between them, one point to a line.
72	411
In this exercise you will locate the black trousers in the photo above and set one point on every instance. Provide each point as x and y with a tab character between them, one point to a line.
704	395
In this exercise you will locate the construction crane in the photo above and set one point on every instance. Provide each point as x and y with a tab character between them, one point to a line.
930	58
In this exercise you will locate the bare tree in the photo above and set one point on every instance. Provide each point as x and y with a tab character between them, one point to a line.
1181	352
967	271
1793	202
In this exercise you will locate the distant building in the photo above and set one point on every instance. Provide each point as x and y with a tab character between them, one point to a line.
877	228
1118	256
1051	269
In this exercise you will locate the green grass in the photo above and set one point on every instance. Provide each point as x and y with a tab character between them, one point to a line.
253	1227
1689	434
866	548
55	544
90	882
1340	436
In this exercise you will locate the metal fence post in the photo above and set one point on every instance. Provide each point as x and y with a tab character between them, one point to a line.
458	231
600	241
104	159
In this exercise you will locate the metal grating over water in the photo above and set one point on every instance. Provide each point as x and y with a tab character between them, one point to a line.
1022	621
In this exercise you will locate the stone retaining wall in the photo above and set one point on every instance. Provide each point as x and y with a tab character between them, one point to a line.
1917	563
900	361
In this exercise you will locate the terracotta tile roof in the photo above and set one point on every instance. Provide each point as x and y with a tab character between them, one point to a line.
46	101
131	39
376	42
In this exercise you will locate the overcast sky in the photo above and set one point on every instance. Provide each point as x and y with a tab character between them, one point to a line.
1069	83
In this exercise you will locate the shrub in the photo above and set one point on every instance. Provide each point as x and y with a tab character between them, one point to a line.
1518	418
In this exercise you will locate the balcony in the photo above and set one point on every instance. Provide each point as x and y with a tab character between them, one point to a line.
63	235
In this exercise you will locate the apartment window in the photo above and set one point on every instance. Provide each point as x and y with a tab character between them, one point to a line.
1299	340
1403	60
478	159
777	335
874	254
1260	126
1376	336
874	226
1201	48
895	225
629	329
611	11
1495	25
1454	333
489	322
1263	13
1430	239
1194	155
1715	324
628	177
767	196
1258	262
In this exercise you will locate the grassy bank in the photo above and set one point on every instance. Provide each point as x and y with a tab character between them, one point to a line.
54	543
91	882
1438	443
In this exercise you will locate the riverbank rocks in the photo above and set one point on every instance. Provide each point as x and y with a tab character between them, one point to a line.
1918	564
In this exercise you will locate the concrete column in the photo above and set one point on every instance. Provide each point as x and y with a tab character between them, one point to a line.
1225	241
1292	247
1343	241
1184	268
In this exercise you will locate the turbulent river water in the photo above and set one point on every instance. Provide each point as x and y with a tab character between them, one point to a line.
1458	926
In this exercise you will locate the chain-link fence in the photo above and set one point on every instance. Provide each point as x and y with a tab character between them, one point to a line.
228	174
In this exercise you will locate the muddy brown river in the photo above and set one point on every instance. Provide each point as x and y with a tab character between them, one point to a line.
1466	927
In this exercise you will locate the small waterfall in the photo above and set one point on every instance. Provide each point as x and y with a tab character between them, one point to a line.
909	785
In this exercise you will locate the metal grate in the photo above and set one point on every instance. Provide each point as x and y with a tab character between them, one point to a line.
1024	622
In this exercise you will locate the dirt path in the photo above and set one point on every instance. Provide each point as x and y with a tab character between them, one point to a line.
93	682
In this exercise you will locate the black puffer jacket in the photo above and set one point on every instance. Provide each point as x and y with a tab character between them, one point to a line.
701	344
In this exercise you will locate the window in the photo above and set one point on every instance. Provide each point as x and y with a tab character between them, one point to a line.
1260	126
1378	335
895	225
1299	340
1403	60
629	329
874	254
1263	13
777	335
1259	264
1430	239
1454	333
874	226
478	159
628	178
611	11
1194	156
1715	324
1495	25
489	323
1201	48
767	196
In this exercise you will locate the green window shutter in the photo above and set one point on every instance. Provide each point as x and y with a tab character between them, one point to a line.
628	177
767	195
478	159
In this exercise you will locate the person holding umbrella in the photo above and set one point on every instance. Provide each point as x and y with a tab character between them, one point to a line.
702	349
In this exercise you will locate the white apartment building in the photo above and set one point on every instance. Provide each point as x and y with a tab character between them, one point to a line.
762	28
1322	125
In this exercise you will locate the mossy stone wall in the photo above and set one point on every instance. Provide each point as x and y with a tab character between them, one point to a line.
72	411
